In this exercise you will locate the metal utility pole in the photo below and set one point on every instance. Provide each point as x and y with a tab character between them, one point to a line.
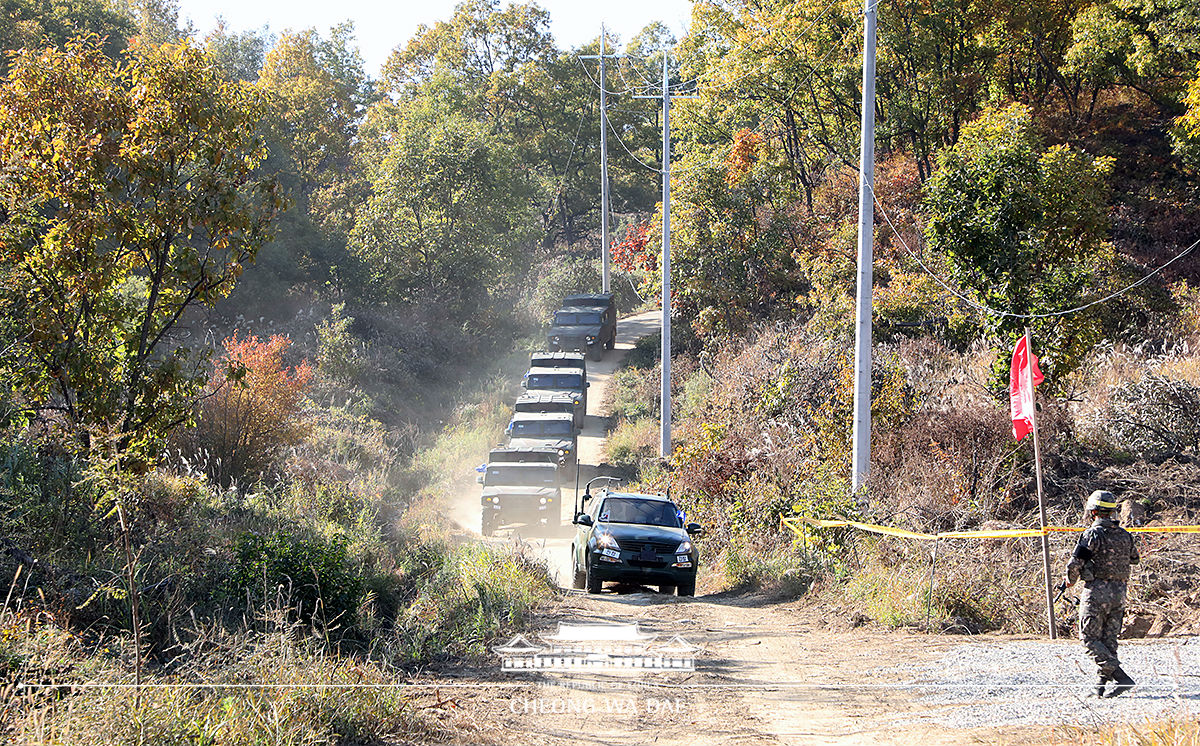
605	220
861	458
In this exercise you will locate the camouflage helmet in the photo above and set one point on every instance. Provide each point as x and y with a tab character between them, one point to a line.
1100	500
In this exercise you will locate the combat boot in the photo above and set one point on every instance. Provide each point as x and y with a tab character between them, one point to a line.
1104	679
1124	683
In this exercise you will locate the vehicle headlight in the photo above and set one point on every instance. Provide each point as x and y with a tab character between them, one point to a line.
591	338
684	547
543	501
495	499
607	541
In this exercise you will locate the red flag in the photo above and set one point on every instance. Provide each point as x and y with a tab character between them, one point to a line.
1020	389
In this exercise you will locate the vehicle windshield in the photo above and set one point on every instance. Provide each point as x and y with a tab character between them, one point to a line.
633	510
534	428
520	476
556	362
576	318
554	381
543	406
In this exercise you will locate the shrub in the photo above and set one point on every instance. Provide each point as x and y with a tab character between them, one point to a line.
1155	417
251	409
632	442
314	577
338	353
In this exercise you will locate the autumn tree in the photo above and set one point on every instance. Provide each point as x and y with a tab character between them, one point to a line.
251	409
129	195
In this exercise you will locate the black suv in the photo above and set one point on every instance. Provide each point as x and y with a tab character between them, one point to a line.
587	329
515	492
504	455
636	538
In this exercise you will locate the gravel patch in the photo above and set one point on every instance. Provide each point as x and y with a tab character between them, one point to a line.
990	684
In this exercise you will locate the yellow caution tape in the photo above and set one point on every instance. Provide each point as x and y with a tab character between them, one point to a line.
794	523
1165	529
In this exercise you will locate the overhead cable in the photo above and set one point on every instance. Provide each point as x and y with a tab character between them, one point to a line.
1007	314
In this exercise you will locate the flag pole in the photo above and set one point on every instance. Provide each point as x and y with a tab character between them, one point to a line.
1037	460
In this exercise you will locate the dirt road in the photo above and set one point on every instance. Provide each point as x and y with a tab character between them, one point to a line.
770	672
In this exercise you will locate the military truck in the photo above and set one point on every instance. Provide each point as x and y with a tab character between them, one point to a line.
558	359
519	492
545	430
560	402
604	300
587	329
557	380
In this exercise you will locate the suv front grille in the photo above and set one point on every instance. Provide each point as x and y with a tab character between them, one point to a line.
657	546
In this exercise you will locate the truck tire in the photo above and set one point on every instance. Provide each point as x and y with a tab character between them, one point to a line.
596	352
687	587
612	342
489	526
666	590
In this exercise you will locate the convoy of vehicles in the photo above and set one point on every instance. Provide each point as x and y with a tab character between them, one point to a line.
620	536
636	538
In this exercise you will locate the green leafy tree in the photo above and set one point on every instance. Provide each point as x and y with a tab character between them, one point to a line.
733	257
449	214
316	87
1024	226
130	195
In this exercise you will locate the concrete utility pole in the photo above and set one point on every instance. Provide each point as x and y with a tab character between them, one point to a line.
605	239
603	166
861	458
664	445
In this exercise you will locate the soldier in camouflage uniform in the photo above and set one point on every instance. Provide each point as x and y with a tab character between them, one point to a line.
1102	559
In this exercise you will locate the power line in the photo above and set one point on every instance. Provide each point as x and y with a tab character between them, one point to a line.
1007	314
567	169
597	83
612	129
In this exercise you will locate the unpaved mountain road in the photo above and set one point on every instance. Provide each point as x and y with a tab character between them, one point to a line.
770	672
